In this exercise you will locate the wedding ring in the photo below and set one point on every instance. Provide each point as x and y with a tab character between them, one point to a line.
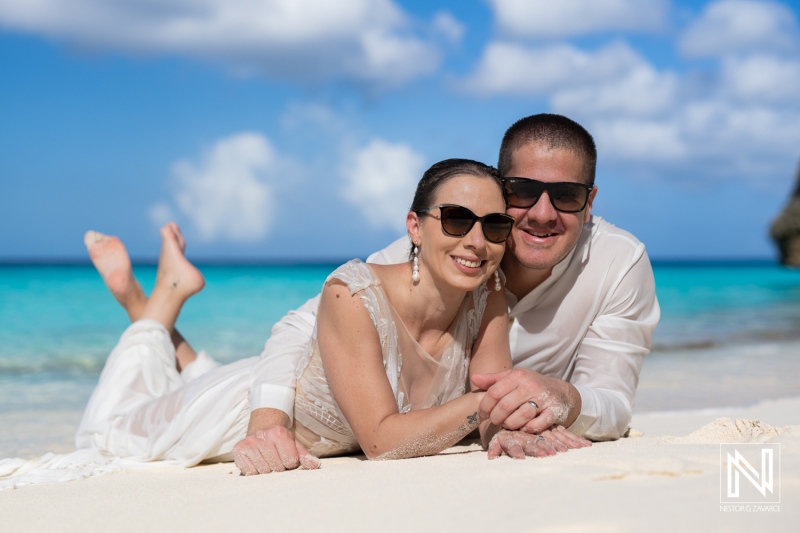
536	405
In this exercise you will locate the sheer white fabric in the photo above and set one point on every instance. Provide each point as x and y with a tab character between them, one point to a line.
418	379
144	410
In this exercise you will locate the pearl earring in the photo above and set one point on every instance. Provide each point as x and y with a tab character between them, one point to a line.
415	260
497	285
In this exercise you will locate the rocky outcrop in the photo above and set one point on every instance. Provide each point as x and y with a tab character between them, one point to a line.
785	229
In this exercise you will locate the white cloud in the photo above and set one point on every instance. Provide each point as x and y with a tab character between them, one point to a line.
714	139
445	24
368	41
719	128
380	180
549	19
613	79
509	68
733	26
739	123
642	91
312	116
226	193
638	139
762	78
160	213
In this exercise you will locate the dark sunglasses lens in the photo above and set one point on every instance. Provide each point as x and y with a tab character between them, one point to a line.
496	227
565	197
568	197
457	221
522	193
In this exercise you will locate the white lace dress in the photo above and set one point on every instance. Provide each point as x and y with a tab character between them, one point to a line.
144	410
418	379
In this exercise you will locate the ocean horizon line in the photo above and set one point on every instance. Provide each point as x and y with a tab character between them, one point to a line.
197	261
284	262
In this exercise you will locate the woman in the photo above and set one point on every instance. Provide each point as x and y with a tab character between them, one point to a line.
389	360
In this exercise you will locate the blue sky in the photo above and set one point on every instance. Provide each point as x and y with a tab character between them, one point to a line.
297	129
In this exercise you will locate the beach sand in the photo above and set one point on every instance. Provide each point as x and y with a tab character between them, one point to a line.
666	477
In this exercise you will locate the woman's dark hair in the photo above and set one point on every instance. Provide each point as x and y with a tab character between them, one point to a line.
441	172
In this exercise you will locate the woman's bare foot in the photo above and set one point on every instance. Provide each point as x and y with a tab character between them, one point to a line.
175	272
176	280
111	260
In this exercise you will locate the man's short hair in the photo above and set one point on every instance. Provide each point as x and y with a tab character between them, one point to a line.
554	131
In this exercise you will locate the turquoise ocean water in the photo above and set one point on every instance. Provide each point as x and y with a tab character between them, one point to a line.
58	322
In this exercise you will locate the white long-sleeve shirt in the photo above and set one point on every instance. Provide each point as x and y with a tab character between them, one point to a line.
589	323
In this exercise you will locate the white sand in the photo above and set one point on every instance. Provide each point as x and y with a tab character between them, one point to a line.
663	480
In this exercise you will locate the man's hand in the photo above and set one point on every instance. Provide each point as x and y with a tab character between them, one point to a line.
270	447
509	394
518	444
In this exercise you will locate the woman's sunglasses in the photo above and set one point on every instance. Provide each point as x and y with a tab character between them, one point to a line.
457	221
565	196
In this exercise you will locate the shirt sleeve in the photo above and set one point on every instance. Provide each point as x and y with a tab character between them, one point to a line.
397	252
609	359
273	377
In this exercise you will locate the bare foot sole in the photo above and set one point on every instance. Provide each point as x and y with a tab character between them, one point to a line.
175	272
111	260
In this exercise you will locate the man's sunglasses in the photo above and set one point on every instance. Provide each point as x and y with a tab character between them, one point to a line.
457	221
565	196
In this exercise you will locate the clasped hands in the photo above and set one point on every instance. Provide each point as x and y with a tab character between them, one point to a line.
526	429
532	409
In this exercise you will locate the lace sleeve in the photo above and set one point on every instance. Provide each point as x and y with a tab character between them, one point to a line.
355	274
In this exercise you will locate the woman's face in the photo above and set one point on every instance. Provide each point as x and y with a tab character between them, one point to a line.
461	262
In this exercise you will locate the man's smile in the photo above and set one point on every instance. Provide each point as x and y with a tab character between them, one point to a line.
540	234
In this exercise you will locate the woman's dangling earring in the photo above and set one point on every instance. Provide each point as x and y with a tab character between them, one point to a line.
497	285
415	261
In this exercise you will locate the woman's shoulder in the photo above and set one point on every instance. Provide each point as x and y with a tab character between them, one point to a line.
355	274
356	280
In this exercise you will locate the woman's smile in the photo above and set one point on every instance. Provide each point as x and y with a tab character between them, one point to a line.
468	265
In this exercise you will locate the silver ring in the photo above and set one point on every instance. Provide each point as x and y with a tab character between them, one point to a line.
536	405
539	439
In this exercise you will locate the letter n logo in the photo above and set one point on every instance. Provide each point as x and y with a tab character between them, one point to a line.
750	473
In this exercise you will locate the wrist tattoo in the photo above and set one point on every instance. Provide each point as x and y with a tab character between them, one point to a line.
472	421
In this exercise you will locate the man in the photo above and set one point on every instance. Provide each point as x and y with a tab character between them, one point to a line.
581	298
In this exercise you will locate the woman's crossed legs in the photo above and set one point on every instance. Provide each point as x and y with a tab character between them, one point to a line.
176	281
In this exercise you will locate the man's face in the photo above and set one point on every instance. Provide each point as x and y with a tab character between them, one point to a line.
542	236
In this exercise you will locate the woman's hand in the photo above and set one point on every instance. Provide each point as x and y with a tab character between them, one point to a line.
272	450
518	444
270	447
